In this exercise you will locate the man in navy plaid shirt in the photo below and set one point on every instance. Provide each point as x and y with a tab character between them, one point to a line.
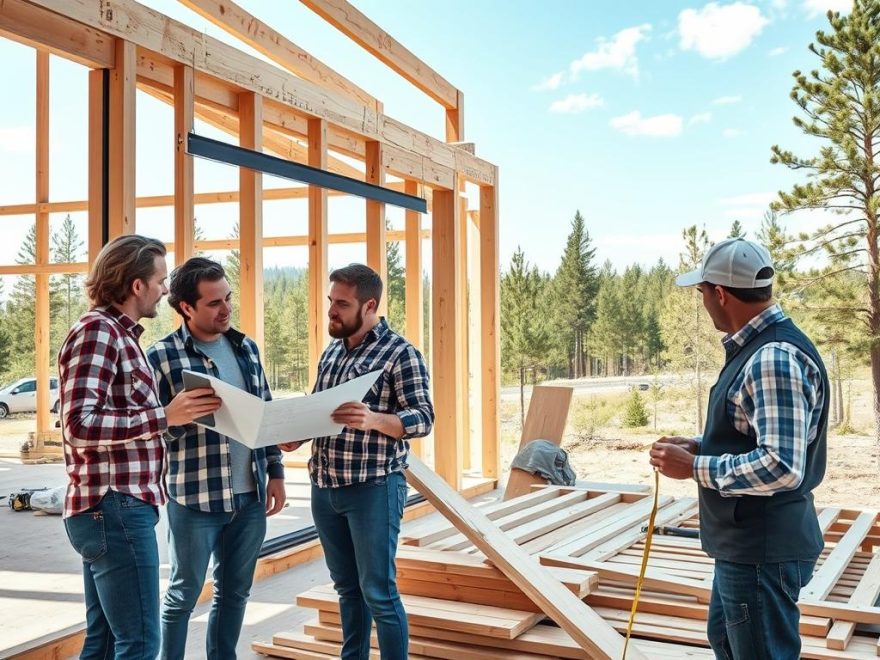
219	494
358	485
761	454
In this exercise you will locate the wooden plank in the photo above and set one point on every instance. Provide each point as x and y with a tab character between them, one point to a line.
278	48
455	124
121	184
585	626
482	620
654	579
48	269
318	244
184	209
377	246
426	644
446	308
414	294
251	222
42	337
490	332
867	614
826	576
546	419
866	593
463	352
41	29
95	202
360	29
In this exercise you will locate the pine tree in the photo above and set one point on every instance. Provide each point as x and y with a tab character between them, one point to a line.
524	336
67	247
396	287
233	276
736	230
21	316
692	344
839	105
575	287
605	339
634	414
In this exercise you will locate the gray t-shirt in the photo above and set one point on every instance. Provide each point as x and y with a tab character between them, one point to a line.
222	354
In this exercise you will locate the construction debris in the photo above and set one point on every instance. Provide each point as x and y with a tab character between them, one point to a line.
551	574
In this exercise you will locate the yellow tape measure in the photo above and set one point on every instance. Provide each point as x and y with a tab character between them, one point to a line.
648	538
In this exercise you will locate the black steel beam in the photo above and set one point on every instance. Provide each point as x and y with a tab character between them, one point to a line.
230	154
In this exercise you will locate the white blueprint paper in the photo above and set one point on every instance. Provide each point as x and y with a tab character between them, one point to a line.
257	423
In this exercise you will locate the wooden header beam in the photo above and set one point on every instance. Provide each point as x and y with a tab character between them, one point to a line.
262	38
360	29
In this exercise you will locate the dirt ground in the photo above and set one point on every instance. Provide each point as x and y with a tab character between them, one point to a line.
600	449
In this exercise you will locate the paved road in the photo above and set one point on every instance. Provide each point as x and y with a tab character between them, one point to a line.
591	385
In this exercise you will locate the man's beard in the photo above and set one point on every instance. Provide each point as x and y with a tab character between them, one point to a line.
347	330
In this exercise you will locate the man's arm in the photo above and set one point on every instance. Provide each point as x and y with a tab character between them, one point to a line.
88	368
411	385
157	356
779	392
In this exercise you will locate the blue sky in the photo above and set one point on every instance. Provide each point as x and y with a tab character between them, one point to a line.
646	116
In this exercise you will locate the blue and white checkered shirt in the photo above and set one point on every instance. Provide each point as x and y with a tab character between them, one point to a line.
199	468
776	399
356	456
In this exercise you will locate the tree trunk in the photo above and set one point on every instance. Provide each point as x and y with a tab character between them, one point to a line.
874	306
522	396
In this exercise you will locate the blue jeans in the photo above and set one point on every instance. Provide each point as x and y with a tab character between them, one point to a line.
358	526
235	540
753	613
117	542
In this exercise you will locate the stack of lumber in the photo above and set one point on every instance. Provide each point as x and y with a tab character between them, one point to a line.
552	574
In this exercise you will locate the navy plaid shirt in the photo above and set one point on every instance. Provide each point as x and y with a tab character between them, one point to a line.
356	456
199	469
777	399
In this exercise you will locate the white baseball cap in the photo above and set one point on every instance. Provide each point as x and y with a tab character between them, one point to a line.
734	262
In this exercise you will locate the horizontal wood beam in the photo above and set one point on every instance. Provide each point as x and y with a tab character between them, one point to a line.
248	28
39	28
297	241
158	201
45	269
175	41
360	29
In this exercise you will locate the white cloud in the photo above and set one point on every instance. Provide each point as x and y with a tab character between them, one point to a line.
700	118
574	103
618	53
816	7
727	100
633	123
549	83
17	139
778	51
720	31
732	132
779	5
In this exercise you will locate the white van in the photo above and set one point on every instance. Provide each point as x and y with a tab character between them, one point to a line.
21	396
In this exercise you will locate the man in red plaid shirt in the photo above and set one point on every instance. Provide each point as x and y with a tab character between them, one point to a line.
112	424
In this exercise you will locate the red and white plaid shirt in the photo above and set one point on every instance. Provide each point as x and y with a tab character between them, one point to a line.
112	420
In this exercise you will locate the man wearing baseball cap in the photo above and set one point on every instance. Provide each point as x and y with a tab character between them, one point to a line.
759	458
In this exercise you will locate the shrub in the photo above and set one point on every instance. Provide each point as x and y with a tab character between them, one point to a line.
634	414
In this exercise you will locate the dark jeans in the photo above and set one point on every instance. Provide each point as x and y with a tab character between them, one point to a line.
753	613
193	536
358	526
117	542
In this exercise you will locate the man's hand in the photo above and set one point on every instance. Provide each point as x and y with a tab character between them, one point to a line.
291	446
275	496
674	457
190	404
355	415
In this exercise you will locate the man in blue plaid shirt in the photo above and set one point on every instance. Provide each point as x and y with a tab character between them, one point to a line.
358	485
219	495
762	453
